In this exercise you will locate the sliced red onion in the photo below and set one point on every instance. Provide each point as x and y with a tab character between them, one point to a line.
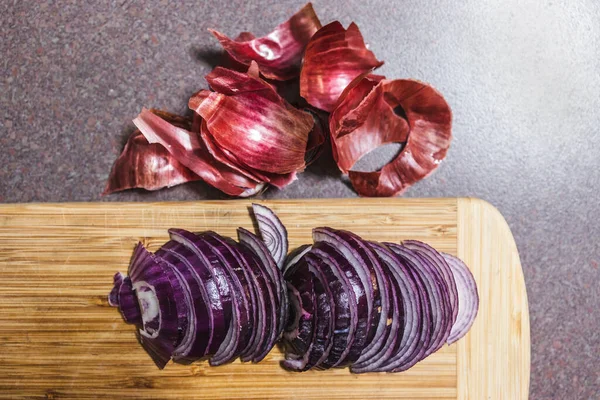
295	256
468	297
292	327
381	296
345	301
236	337
440	309
128	303
206	255
442	330
407	258
324	315
351	300
265	318
247	280
204	317
369	355
260	250
113	296
391	338
356	260
272	232
407	317
438	261
301	339
159	295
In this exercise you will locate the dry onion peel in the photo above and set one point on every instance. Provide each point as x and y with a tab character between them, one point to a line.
363	126
278	54
247	117
334	57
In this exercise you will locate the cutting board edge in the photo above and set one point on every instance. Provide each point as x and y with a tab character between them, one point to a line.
478	223
137	204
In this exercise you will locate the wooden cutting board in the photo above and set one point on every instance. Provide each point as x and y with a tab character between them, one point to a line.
60	339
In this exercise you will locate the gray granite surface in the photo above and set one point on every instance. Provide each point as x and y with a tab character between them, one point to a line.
522	77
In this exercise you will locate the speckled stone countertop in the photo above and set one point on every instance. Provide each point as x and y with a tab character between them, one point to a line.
522	77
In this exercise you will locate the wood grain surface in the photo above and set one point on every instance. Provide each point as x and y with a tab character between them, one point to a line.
60	339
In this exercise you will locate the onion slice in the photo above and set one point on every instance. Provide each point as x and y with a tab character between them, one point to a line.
294	257
352	256
405	332
158	293
468	298
272	232
205	320
265	318
348	289
300	338
254	244
441	264
369	327
235	341
249	283
402	361
209	260
322	339
278	54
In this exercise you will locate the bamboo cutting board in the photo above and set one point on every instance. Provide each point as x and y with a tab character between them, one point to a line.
60	339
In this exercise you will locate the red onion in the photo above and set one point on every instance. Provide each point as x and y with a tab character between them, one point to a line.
272	232
343	301
468	298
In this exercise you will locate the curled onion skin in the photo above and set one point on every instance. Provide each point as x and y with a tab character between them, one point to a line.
334	57
360	126
147	165
190	151
279	54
